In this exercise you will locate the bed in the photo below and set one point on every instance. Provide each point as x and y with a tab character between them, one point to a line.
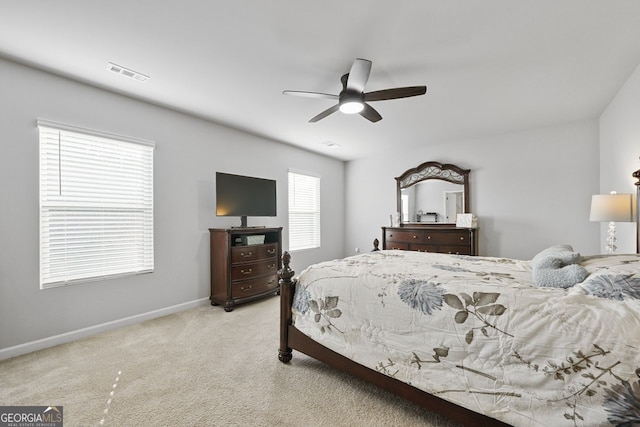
477	339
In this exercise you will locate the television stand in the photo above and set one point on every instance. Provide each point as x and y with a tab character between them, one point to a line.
244	264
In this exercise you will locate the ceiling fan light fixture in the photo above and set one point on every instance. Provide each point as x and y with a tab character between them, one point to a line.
351	106
353	99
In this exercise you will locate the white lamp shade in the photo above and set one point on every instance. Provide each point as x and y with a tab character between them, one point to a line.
611	207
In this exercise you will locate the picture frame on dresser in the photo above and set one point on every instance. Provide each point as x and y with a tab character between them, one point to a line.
466	220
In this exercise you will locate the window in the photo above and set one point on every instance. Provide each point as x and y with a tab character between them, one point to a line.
96	205
304	211
405	207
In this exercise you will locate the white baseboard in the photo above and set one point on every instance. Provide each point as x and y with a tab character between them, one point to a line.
6	353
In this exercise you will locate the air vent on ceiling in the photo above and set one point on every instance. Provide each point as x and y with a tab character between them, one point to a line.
127	72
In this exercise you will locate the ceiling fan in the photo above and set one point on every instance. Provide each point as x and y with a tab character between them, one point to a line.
353	99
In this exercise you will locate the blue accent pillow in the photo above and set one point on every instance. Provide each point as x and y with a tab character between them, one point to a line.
613	286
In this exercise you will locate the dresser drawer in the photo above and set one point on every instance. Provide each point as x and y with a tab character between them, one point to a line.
447	238
254	269
404	236
456	250
268	251
425	248
244	253
403	246
253	252
247	288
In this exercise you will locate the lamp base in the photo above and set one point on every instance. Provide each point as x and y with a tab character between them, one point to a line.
611	240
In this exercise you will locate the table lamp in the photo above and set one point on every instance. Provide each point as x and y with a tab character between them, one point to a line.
611	208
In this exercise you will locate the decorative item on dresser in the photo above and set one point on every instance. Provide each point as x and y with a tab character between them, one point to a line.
443	191
244	264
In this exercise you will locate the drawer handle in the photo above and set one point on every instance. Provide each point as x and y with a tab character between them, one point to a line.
415	237
246	288
271	281
461	237
247	255
245	272
271	251
271	266
428	237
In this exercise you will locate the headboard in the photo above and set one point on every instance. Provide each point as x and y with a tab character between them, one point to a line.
636	175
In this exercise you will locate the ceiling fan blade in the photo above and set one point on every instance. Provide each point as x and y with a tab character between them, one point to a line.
399	92
370	114
359	75
310	94
325	113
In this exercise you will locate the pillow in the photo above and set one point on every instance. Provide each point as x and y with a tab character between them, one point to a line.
557	267
613	286
562	254
563	277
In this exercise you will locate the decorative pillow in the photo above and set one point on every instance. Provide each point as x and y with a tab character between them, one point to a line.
563	277
613	286
557	267
560	254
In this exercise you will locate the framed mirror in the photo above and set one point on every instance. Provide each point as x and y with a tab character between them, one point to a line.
433	194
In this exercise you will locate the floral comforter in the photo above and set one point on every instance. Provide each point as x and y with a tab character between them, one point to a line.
477	332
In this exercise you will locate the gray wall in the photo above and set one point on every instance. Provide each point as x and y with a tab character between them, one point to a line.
620	154
529	189
188	153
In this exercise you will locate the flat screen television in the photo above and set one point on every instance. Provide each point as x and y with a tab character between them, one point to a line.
244	196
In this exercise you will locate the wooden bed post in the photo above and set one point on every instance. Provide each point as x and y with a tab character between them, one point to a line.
636	175
287	287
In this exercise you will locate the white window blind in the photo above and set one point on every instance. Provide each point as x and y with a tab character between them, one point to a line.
304	211
96	205
405	207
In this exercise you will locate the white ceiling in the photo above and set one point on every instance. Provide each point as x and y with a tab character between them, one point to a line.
490	66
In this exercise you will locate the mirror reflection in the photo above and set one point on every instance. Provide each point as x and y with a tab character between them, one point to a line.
432	201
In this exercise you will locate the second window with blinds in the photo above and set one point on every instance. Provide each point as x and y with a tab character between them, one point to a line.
304	211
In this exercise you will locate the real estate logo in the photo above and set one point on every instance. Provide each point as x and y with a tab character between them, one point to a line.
31	416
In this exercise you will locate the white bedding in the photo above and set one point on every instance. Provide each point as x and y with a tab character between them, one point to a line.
477	332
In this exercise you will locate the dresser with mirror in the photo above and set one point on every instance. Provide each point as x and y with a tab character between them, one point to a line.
429	198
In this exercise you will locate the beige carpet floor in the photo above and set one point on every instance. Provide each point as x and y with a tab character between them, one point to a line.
199	367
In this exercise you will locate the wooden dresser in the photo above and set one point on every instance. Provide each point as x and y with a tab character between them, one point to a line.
244	264
442	239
